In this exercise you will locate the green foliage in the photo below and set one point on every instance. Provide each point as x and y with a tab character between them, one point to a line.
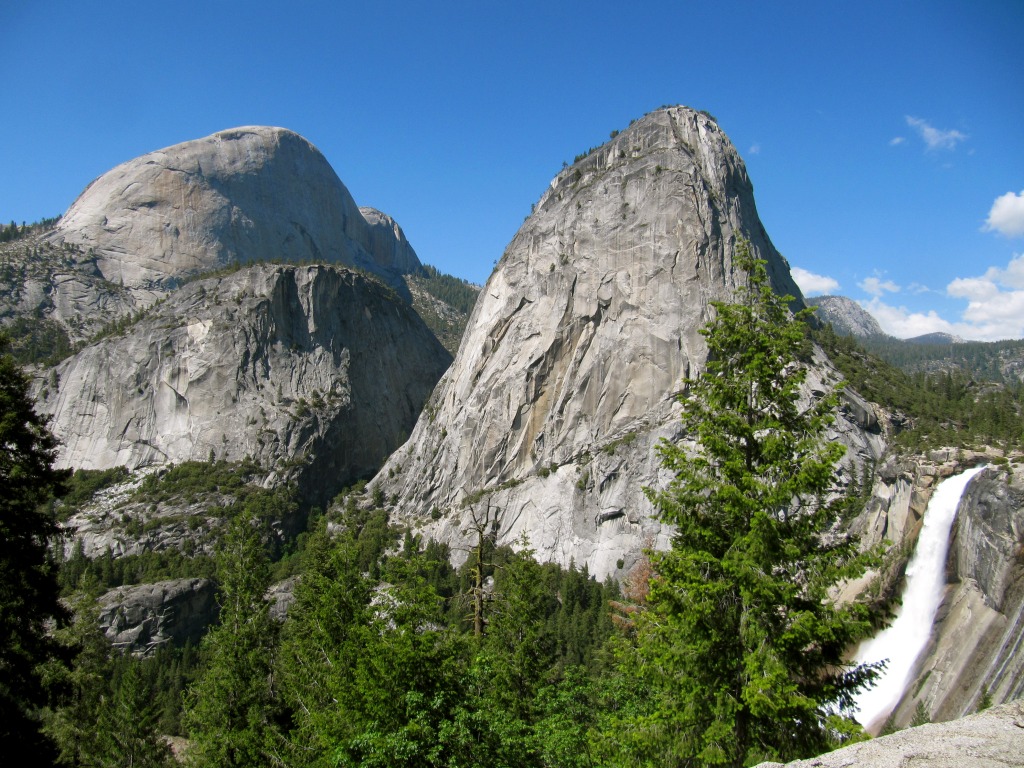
113	704
38	340
742	645
84	484
984	700
980	360
229	707
627	439
921	716
941	408
448	322
190	480
13	232
122	324
80	573
378	666
28	586
453	291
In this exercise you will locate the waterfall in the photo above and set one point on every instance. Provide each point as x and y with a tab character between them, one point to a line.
906	637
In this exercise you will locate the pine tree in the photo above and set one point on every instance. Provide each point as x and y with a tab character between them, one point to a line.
371	673
322	641
28	585
125	728
229	707
745	650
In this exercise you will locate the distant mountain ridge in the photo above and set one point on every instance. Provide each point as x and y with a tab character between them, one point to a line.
931	352
848	318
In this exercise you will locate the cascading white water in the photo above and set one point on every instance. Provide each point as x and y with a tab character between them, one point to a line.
907	636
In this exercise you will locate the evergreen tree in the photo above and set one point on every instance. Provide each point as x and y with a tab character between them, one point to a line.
229	707
322	640
125	727
742	645
72	722
28	585
370	672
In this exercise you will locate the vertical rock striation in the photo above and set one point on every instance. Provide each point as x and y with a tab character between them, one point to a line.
317	366
566	376
978	642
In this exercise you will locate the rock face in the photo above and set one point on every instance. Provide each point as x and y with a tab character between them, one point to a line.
249	194
139	619
992	739
279	363
566	376
44	283
847	317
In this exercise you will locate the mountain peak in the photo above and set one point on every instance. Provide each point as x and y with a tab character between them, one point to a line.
567	374
246	194
848	318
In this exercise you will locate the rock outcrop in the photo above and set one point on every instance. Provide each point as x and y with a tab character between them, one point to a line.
565	380
847	317
991	739
317	366
140	618
248	194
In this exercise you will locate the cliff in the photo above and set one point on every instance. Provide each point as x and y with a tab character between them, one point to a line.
991	739
978	634
565	379
318	367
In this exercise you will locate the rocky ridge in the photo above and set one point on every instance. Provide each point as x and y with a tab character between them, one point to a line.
847	317
57	287
565	380
141	618
990	739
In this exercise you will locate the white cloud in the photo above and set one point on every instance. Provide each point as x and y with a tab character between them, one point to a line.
812	284
995	300
995	307
895	141
876	286
1007	215
935	138
755	149
904	324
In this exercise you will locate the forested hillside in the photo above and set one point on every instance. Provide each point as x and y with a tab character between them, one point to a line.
444	302
934	405
999	361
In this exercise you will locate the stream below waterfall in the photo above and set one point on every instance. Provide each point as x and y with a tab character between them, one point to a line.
902	642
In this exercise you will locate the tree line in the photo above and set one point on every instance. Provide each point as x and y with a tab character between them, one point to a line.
950	407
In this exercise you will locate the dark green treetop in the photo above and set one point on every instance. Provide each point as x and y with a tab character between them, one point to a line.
228	708
28	585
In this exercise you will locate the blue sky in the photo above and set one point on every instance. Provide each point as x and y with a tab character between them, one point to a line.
885	140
